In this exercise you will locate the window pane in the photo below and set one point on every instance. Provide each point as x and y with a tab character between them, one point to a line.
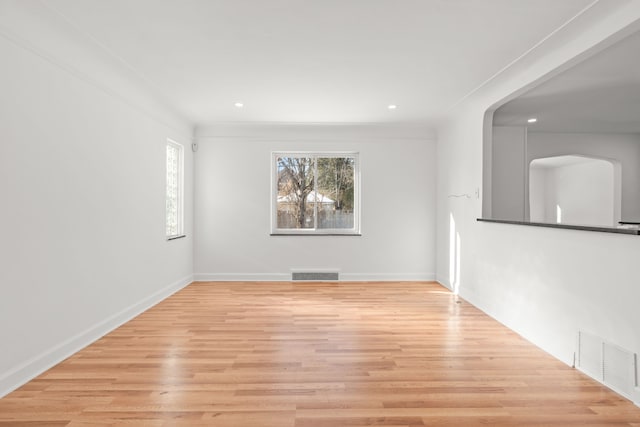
172	207
335	195
315	193
295	192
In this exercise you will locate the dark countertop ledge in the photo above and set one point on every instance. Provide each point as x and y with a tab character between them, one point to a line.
616	230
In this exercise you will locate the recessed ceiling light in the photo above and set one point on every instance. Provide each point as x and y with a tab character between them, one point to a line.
392	106
238	105
532	120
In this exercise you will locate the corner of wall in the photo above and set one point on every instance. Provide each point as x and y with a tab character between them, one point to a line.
35	366
44	31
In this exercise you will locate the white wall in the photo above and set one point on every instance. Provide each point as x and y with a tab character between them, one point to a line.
514	148
232	212
544	283
82	170
580	193
583	193
539	194
621	148
508	172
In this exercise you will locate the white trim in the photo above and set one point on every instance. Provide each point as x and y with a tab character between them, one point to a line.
242	277
387	277
314	270
35	366
180	196
357	202
286	277
517	60
317	132
444	282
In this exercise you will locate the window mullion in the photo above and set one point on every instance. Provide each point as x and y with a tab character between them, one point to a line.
315	192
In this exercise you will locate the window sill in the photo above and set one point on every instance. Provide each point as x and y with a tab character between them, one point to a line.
180	236
314	234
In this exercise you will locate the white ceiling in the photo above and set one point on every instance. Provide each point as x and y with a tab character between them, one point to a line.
316	61
600	94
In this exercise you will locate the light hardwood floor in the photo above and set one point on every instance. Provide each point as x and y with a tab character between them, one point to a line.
314	355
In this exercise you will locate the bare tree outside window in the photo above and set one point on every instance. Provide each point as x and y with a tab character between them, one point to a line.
316	192
295	186
335	179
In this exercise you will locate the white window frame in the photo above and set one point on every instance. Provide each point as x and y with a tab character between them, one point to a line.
180	193
355	231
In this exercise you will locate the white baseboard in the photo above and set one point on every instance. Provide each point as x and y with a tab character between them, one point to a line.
242	277
33	367
286	277
387	277
444	281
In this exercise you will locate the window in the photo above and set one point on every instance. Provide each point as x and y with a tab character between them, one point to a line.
315	193
174	202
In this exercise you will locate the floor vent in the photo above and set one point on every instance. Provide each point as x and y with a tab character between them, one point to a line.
611	365
314	275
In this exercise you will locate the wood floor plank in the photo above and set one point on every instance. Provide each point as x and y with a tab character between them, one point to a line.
287	354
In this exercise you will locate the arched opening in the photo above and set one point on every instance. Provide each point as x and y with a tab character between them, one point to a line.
572	189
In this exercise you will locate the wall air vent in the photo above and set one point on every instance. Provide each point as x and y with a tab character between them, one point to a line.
314	275
611	365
